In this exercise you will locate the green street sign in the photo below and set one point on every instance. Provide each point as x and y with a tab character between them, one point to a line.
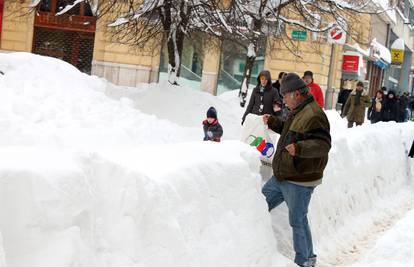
300	35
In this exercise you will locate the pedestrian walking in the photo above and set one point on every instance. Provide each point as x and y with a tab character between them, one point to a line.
355	106
300	159
263	96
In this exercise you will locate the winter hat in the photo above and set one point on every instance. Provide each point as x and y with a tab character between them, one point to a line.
308	73
360	84
291	82
212	113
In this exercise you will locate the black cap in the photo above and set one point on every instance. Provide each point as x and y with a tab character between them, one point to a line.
291	82
212	113
308	73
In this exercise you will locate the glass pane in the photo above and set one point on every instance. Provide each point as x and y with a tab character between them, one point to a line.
233	61
191	67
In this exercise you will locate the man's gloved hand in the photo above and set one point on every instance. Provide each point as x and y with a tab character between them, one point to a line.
210	134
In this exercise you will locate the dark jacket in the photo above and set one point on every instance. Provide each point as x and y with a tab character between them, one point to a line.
373	114
411	103
265	97
390	110
276	85
308	128
343	97
402	106
214	130
411	153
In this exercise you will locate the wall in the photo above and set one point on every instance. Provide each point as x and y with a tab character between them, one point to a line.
123	64
17	32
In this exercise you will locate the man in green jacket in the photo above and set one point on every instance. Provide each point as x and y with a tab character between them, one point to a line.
355	106
300	159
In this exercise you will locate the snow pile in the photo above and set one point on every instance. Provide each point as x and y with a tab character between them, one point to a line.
385	7
368	178
87	180
2	257
56	105
135	207
92	180
183	106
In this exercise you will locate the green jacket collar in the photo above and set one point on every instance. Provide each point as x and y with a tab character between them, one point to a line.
302	104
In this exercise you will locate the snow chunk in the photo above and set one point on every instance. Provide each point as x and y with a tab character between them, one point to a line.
251	50
118	22
69	7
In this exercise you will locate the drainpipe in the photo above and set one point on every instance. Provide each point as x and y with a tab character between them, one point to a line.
385	77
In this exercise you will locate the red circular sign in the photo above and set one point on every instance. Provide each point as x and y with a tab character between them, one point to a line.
336	33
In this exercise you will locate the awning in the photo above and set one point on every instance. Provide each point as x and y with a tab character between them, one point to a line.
380	52
357	48
381	64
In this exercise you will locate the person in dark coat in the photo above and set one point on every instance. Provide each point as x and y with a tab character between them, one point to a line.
356	105
374	111
263	96
390	109
411	105
402	108
343	97
212	128
411	153
279	80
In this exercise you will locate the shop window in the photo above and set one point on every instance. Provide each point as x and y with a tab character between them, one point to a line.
191	63
46	5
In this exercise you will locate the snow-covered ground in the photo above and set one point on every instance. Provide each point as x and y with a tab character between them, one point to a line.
92	174
394	248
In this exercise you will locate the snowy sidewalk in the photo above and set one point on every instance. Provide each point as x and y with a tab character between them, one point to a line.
394	248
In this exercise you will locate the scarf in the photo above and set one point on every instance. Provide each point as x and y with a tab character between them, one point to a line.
358	98
378	104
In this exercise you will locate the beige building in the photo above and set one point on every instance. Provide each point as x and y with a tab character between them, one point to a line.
213	66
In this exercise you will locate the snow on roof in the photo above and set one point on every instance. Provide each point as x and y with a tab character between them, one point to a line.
356	47
380	51
389	11
398	44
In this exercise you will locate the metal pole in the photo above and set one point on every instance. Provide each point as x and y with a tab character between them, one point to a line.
331	72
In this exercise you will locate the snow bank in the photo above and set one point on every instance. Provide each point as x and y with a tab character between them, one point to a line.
2	257
89	181
49	102
135	207
367	179
182	105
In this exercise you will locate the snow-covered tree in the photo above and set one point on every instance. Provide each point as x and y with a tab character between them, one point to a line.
246	22
140	23
249	22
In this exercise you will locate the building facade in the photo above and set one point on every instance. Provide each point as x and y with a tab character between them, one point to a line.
211	65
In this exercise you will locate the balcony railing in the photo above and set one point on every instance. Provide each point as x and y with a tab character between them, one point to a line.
65	22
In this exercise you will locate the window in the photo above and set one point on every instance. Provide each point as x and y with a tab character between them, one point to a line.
46	5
